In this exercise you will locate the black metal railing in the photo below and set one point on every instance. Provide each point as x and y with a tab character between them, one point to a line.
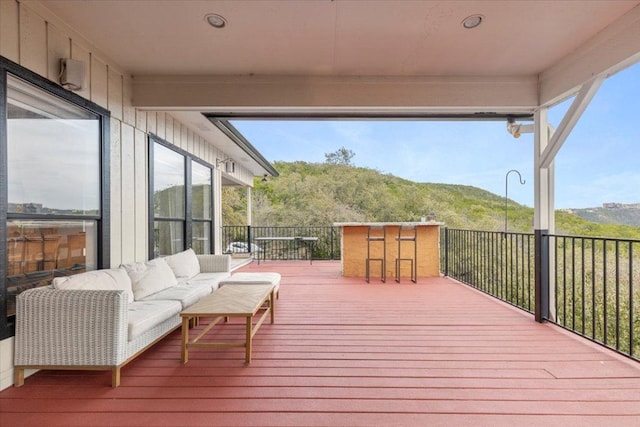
248	239
597	289
595	282
236	239
499	264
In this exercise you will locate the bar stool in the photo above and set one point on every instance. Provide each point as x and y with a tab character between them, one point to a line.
409	236
378	236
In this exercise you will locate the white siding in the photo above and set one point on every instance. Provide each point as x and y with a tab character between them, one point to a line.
177	133
141	120
161	125
152	123
33	41
116	194
114	94
141	195
128	208
9	37
129	113
99	82
186	137
6	361
168	129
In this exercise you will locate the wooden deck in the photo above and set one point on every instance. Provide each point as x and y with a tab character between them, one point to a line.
346	353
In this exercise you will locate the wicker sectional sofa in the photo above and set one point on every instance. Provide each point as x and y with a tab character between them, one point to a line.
101	320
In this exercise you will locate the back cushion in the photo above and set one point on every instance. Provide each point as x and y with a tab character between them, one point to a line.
150	277
113	279
184	264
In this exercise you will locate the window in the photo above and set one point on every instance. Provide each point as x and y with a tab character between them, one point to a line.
53	202
181	197
201	207
169	201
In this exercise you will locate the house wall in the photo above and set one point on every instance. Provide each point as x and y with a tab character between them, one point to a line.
35	39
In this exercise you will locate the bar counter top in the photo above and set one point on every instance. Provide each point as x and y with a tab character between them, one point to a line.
380	224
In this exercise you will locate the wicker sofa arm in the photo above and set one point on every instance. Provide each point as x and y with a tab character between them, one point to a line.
215	263
71	328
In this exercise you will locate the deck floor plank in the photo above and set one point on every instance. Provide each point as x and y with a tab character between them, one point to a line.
346	353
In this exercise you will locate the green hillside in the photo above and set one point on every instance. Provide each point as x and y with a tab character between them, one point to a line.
313	194
617	213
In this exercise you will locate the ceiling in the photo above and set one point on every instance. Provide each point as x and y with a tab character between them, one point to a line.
327	56
339	37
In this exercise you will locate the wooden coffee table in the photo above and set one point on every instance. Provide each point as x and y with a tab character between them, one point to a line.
229	301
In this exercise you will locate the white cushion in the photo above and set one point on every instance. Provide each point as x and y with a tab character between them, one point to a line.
185	293
253	279
150	277
144	315
184	264
209	279
112	279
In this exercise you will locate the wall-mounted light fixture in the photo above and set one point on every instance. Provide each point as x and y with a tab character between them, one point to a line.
229	164
517	129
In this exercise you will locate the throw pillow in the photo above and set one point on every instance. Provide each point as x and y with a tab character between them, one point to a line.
184	264
150	277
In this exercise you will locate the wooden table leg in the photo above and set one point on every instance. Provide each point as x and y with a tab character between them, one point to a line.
272	305
249	339
185	339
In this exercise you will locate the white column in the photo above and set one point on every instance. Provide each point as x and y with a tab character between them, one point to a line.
217	212
249	206
544	217
543	176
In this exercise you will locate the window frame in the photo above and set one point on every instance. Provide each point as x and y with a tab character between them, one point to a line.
188	219
8	67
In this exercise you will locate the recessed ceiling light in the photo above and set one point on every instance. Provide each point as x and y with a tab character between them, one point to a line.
472	21
215	20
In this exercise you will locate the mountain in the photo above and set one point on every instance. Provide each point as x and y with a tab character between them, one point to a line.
611	213
317	194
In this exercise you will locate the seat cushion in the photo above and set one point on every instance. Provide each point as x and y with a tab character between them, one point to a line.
184	264
210	279
186	293
150	277
253	279
144	315
108	279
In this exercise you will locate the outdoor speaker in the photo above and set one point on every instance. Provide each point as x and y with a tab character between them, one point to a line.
230	167
71	74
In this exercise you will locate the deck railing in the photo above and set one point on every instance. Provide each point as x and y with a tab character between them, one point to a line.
499	264
595	282
597	292
244	237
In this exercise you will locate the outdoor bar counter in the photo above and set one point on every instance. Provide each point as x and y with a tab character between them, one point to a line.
353	245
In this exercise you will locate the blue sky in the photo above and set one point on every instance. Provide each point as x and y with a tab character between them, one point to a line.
599	162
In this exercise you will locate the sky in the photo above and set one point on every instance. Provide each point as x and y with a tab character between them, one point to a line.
598	163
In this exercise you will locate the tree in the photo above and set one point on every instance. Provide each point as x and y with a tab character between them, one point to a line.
342	156
234	206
